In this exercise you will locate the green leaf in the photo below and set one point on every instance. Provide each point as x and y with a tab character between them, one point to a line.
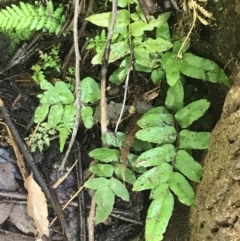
138	27
188	166
90	90
156	117
192	112
153	177
119	50
182	189
102	170
96	183
175	95
159	213
157	191
101	20
87	116
118	76
41	113
159	135
105	154
64	93
157	75
69	116
163	32
194	140
105	199
204	69
178	44
114	139
55	115
172	66
156	156
119	189
125	174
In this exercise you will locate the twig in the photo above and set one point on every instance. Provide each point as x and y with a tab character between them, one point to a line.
105	67
91	220
124	100
77	84
84	24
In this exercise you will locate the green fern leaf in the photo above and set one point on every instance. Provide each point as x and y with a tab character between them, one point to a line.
17	10
41	23
6	13
11	12
58	13
50	7
31	10
41	11
63	135
34	23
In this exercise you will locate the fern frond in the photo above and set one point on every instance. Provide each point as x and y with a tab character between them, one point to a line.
63	135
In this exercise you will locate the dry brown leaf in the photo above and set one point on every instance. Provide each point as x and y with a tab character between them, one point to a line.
37	206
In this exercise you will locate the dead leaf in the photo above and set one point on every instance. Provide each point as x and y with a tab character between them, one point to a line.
37	206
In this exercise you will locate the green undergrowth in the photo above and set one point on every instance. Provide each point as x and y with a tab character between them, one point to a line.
160	159
165	165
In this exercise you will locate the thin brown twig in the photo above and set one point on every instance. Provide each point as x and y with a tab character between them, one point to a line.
77	84
105	68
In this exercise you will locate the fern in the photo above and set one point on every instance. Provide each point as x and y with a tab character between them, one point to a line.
56	110
19	22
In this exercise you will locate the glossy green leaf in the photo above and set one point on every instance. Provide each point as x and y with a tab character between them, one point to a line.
138	27
105	199
132	159
153	177
158	75
119	75
69	115
157	191
90	90
125	174
163	32
158	216
114	139
87	116
178	44
119	50
188	166
119	189
156	117
159	135
192	112
103	19
156	156
175	95
105	154
102	170
194	140
139	145
55	115
64	94
182	189
172	66
204	69
41	113
96	183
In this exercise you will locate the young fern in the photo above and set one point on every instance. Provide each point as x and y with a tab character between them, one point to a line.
27	16
21	21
